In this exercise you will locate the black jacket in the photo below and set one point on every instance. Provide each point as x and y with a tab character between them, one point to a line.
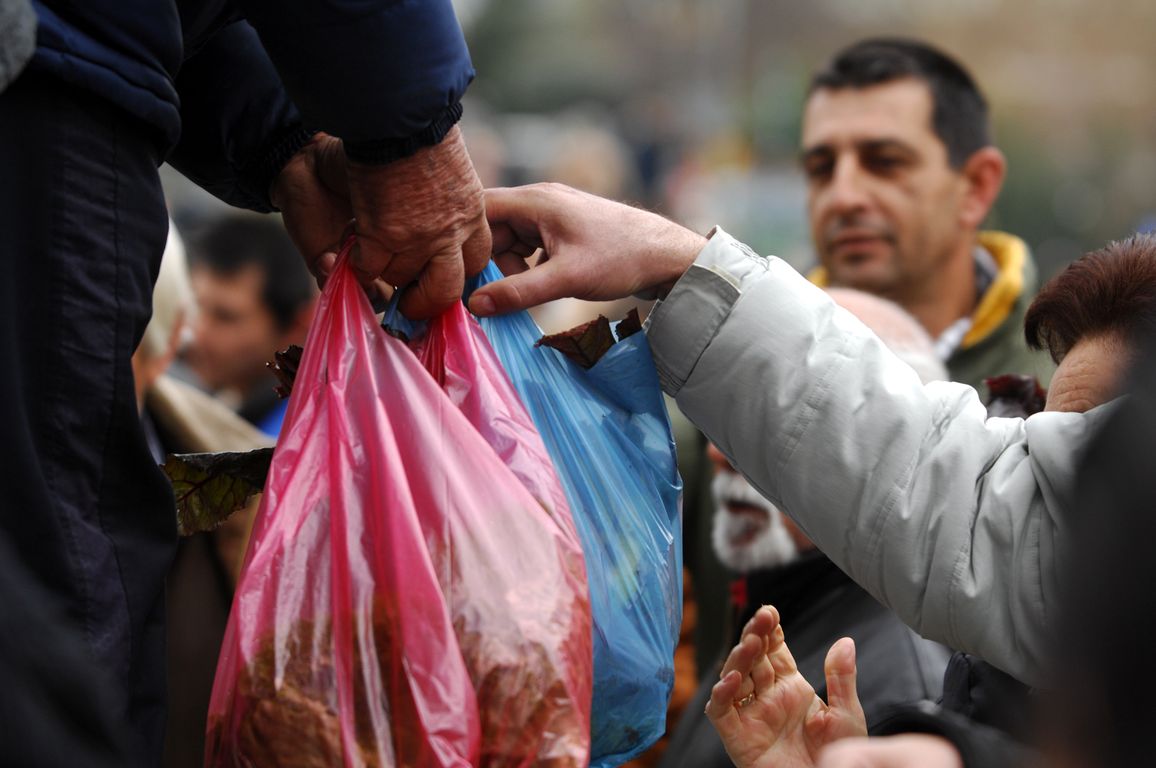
819	604
388	77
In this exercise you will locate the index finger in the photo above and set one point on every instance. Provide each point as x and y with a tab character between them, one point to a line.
514	214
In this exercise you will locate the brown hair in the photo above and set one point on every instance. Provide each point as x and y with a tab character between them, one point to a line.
1108	291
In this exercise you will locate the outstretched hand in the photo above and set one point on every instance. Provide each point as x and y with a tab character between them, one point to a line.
767	714
420	221
588	248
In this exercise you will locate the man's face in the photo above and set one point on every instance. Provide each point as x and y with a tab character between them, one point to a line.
882	199
235	333
749	533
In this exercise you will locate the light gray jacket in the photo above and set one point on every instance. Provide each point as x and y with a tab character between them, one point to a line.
17	38
953	520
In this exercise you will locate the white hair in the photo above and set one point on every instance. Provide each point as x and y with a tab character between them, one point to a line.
173	298
896	328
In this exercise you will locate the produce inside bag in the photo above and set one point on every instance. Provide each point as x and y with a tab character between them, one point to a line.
604	423
405	601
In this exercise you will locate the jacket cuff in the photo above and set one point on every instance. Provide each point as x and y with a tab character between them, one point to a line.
258	175
681	326
382	151
979	746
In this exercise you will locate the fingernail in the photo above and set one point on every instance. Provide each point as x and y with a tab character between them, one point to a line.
482	305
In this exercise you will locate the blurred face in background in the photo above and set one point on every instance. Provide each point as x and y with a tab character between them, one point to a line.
883	201
749	533
236	334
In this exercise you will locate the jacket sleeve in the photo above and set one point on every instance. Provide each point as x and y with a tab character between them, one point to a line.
979	746
239	126
950	519
387	77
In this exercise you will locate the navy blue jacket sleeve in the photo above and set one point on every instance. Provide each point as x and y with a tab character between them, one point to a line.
238	125
387	76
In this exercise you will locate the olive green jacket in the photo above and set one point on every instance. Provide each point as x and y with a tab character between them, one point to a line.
995	345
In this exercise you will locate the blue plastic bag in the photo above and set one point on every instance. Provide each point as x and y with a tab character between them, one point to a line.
609	435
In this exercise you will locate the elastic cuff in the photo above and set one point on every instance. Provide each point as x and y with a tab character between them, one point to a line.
979	746
256	177
381	151
682	325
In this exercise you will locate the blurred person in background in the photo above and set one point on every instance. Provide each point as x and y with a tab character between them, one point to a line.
179	418
901	172
255	298
777	564
95	96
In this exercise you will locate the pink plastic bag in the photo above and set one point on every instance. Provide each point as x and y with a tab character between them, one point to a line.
405	601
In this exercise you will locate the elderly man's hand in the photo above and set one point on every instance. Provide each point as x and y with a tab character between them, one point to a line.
767	714
313	195
419	220
589	248
421	223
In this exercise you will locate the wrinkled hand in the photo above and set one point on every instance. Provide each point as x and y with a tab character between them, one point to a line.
590	248
312	192
906	751
767	714
419	221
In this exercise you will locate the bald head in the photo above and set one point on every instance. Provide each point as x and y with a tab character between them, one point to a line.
902	334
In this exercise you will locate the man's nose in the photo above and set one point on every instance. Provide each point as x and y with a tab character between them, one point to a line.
718	459
847	191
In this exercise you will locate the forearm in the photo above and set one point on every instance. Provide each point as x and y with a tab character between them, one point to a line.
237	132
386	78
942	516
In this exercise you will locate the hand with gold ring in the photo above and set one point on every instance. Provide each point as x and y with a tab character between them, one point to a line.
767	714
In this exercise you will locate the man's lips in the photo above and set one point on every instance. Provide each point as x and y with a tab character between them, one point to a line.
856	239
755	517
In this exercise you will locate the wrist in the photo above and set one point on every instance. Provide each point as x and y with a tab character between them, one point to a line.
278	152
681	253
429	189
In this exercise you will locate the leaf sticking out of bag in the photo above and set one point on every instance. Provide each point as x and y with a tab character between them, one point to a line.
585	344
629	326
284	366
209	487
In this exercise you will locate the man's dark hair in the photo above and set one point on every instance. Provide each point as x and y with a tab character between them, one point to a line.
959	111
234	242
1109	291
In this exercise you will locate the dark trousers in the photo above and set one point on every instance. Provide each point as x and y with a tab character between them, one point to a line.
82	229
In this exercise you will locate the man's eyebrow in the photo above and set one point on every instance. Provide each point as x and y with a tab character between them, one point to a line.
809	152
885	144
870	145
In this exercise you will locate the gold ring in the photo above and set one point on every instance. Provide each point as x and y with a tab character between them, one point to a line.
740	703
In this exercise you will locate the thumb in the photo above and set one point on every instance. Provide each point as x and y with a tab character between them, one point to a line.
841	672
521	291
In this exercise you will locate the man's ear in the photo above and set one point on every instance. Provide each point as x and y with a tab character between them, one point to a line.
983	176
